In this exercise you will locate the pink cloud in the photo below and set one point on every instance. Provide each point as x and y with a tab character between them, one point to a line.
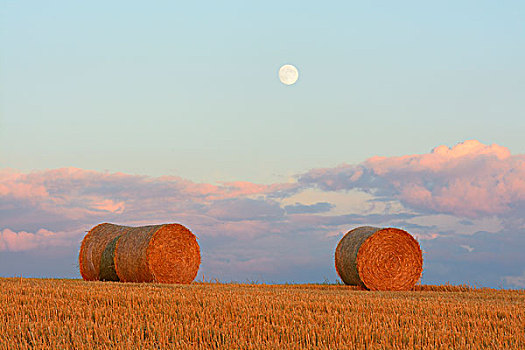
470	179
440	158
109	205
77	199
11	186
20	241
78	194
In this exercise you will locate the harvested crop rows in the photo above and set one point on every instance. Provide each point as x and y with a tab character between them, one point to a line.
67	314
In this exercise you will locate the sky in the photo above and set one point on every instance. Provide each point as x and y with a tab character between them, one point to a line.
405	114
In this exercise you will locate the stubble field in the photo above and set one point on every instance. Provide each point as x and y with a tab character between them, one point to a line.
73	314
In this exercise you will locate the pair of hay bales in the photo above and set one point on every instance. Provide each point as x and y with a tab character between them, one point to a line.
369	257
379	259
160	253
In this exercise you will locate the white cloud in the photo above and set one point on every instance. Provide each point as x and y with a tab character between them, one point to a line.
517	281
467	247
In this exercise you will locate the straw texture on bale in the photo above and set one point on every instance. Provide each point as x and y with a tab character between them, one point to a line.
107	262
161	253
166	253
93	245
379	259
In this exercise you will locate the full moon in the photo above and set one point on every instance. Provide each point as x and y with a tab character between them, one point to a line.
288	74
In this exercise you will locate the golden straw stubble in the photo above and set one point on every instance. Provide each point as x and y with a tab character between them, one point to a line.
379	259
73	314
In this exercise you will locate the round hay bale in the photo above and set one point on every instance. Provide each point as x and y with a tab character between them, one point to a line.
93	245
379	259
162	253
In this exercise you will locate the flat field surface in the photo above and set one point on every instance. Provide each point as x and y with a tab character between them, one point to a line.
73	314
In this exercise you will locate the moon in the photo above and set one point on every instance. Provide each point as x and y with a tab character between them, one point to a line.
288	74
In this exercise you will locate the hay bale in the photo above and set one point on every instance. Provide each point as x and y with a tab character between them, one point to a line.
93	245
162	253
379	259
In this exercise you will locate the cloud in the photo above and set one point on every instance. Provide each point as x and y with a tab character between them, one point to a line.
516	281
109	205
12	241
319	207
12	188
467	247
468	180
245	209
72	194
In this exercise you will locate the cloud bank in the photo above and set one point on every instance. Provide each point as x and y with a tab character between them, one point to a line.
470	179
276	231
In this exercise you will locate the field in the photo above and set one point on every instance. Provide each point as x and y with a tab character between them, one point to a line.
73	314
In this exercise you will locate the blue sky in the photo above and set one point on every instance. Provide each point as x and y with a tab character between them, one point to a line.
191	90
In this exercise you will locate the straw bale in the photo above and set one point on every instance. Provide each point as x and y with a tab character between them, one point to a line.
162	253
379	258
166	253
93	245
